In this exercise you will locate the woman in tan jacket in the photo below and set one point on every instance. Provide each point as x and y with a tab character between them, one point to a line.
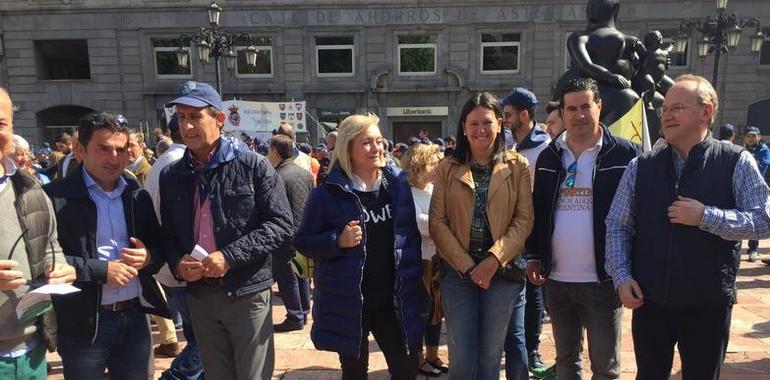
480	216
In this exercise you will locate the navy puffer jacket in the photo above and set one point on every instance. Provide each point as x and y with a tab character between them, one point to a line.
337	297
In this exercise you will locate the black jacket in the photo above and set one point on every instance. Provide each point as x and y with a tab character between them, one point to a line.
298	183
549	175
78	313
251	214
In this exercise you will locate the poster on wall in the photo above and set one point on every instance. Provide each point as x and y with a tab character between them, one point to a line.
261	118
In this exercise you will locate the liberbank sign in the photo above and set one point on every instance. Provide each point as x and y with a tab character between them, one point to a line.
416	111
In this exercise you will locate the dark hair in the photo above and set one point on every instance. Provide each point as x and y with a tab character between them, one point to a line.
62	138
463	149
580	85
282	145
552	106
305	148
287	130
96	121
451	139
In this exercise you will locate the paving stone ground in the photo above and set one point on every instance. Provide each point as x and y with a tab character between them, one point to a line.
748	356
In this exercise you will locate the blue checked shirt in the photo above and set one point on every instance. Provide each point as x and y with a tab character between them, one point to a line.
751	219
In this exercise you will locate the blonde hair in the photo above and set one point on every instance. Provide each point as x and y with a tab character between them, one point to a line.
704	91
415	160
349	128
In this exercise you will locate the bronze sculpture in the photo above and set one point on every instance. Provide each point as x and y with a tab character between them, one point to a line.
609	56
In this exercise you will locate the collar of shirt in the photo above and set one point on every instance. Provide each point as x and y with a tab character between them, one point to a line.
94	187
10	170
358	183
135	165
561	142
225	151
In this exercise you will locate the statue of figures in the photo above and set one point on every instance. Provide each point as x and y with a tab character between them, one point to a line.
604	53
652	78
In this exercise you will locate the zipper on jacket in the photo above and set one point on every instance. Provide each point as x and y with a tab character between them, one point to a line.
559	177
363	263
676	180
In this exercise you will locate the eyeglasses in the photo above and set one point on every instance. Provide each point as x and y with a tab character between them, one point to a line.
572	171
674	110
42	279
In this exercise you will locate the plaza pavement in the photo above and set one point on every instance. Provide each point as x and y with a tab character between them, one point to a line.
748	355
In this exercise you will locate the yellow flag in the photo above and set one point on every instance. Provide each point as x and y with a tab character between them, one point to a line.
633	126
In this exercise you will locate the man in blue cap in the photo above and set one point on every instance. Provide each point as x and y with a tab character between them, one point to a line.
727	133
761	153
527	318
187	364
224	213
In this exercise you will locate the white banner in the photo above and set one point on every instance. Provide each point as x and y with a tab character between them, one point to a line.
261	118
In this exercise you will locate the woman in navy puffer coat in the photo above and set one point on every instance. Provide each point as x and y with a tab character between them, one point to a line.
360	229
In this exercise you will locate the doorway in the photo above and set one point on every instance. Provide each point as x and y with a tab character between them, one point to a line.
402	131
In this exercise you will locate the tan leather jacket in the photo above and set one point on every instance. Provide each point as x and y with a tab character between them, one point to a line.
509	210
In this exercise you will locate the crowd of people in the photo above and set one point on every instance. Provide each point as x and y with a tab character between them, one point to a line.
485	232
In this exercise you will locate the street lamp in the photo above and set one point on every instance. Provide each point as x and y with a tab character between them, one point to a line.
719	34
215	42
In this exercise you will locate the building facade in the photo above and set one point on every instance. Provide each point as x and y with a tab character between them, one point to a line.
412	63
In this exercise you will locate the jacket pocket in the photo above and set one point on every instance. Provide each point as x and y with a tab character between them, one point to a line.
238	203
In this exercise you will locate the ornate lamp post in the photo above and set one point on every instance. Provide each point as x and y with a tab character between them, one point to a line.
719	34
215	42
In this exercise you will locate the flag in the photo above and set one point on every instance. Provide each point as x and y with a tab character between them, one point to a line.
633	126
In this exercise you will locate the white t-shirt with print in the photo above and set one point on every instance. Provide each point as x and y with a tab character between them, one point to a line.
572	243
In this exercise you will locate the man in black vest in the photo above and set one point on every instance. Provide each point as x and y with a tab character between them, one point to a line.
671	232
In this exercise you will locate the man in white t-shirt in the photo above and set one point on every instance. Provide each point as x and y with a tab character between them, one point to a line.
575	180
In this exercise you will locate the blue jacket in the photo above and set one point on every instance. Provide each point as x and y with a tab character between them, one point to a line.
251	214
762	154
338	300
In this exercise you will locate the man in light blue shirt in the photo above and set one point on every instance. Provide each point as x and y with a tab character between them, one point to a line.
105	220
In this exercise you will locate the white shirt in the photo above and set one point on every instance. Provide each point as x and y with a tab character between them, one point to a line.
573	257
152	186
421	208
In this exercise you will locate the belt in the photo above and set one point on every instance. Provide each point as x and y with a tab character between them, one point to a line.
212	282
121	305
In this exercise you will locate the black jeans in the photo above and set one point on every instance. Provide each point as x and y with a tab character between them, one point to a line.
701	332
591	306
381	321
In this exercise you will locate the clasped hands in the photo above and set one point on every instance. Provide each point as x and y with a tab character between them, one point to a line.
213	266
132	260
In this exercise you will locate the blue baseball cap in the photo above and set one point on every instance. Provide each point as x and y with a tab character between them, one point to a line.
726	130
520	97
752	131
198	95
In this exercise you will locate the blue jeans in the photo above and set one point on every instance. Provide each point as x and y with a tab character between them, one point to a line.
516	361
295	291
122	345
476	321
187	365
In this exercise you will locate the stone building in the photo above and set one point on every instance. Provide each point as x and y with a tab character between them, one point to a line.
413	63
